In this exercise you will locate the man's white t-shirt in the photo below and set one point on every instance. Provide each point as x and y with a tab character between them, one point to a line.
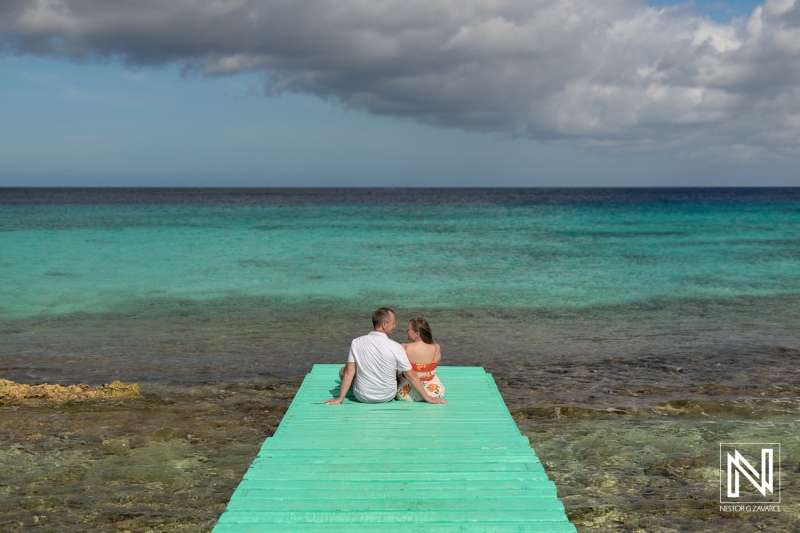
377	359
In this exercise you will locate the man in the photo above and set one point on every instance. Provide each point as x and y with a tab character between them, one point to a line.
374	360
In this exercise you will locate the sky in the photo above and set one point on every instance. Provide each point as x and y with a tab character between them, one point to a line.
399	93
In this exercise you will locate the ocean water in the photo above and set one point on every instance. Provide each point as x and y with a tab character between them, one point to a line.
631	331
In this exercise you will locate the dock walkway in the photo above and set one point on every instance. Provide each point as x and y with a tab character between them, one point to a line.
397	467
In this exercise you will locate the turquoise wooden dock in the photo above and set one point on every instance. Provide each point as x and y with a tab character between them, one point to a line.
397	467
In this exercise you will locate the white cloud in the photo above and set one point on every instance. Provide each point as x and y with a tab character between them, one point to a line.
614	74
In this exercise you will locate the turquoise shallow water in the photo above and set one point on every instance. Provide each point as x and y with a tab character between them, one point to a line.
629	331
59	259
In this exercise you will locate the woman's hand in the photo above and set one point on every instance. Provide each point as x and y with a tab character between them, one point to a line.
433	399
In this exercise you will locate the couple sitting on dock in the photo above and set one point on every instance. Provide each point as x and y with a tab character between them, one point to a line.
375	361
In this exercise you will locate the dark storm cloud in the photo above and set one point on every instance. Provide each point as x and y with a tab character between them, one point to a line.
611	74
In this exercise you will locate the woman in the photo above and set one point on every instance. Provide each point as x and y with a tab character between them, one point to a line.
424	355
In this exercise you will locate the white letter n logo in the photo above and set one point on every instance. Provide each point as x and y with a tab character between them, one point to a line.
739	465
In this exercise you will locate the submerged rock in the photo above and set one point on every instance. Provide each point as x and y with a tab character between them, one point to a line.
11	392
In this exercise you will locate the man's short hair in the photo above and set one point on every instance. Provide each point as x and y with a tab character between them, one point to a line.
381	315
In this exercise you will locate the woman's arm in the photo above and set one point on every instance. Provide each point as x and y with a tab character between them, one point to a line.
413	378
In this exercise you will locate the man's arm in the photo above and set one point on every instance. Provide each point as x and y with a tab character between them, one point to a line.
347	380
413	378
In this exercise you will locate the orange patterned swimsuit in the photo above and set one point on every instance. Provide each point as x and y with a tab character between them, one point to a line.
427	374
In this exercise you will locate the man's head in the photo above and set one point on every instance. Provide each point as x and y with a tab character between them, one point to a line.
383	320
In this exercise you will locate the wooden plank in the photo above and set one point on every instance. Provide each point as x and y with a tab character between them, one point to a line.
397	466
446	442
376	517
322	458
399	503
365	493
440	487
387	477
407	527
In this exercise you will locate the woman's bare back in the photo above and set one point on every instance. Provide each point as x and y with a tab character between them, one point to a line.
421	353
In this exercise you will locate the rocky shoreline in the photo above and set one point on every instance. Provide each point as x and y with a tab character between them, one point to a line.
14	393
